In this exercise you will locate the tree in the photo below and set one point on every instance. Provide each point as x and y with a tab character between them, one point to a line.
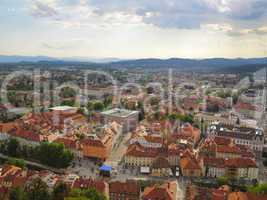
90	106
212	107
258	189
224	94
37	190
17	162
154	101
98	106
222	180
13	147
87	194
107	100
141	110
54	154
17	193
69	102
60	191
235	98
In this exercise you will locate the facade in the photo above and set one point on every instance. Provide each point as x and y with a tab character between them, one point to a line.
248	110
95	149
148	141
210	118
127	118
232	168
129	190
190	165
251	137
161	167
98	146
222	147
166	191
137	155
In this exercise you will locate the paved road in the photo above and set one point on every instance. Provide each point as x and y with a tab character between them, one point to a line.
118	151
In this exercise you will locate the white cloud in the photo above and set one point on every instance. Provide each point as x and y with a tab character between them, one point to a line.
44	9
190	14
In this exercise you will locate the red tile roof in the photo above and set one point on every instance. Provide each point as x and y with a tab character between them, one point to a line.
128	187
100	186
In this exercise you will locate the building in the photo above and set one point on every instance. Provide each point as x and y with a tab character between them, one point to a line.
190	165
137	155
208	118
246	196
64	109
99	185
231	167
166	191
99	145
72	143
149	141
222	147
161	167
129	190
251	137
127	118
249	110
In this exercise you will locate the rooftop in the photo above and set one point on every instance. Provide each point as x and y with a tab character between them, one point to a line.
117	112
62	108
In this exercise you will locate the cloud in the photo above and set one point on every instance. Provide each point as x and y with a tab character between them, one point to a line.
233	31
177	14
66	44
239	9
40	9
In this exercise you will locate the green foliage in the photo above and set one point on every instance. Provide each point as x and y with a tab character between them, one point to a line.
88	194
54	154
141	109
60	191
13	147
224	93
37	190
107	100
208	92
67	92
212	107
258	189
90	106
183	118
51	154
98	106
235	98
154	101
17	193
17	162
70	102
222	180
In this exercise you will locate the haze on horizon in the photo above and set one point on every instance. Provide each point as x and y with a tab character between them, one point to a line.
134	29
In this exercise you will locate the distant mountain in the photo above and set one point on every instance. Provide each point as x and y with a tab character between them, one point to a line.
189	63
16	59
211	64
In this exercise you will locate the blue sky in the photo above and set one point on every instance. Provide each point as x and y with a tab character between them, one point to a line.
134	29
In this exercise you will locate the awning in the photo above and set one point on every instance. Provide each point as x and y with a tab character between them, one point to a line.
105	168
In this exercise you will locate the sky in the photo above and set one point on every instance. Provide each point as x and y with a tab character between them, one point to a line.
129	29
